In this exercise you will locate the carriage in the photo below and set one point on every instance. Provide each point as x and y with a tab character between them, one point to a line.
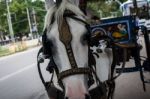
118	34
111	28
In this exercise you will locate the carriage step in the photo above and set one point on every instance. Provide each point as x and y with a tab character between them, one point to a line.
127	70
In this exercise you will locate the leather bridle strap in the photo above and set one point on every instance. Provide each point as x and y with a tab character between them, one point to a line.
66	37
74	71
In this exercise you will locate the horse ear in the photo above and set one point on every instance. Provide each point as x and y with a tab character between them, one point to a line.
49	3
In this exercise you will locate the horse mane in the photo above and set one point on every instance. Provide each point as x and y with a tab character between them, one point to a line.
49	16
58	12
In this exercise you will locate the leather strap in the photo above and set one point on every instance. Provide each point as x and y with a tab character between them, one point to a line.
73	72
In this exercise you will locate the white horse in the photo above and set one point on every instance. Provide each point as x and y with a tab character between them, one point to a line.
76	85
103	61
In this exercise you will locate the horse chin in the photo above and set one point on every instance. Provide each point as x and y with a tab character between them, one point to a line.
75	88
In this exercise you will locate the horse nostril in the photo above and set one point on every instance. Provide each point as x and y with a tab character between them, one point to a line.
87	96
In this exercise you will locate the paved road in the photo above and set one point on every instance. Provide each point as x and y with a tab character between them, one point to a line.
129	86
17	61
19	79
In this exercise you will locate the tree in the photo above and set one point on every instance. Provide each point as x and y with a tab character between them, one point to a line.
40	12
105	6
19	15
3	17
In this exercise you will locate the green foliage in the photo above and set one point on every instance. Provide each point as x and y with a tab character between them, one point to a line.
4	51
106	7
40	14
3	16
17	6
18	9
19	13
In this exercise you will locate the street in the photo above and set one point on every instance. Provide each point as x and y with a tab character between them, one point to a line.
22	21
129	85
19	79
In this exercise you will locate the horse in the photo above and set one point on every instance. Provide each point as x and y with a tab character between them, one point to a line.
68	36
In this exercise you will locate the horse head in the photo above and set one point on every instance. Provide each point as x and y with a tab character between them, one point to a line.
67	34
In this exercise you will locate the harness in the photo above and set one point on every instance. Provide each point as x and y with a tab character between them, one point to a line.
66	38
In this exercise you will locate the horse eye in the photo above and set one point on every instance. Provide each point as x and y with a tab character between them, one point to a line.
84	39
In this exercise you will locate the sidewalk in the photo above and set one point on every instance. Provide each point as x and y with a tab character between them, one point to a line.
18	47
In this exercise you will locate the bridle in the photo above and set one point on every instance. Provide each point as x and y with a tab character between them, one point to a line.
66	38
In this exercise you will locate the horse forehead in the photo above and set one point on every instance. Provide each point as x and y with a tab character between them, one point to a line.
76	29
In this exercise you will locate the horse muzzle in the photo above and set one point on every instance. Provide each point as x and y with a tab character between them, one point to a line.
95	93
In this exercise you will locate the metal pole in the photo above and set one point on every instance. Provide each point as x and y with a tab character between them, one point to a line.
135	7
147	42
29	21
136	52
10	22
34	19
